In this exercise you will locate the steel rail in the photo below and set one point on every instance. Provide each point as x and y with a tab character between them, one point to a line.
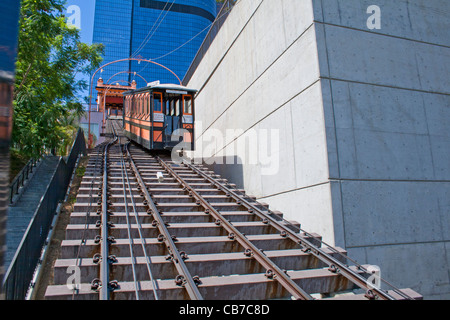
335	265
104	289
184	277
272	270
355	263
86	225
358	266
306	234
88	213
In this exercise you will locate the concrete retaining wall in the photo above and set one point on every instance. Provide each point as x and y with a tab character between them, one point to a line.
362	118
262	72
387	113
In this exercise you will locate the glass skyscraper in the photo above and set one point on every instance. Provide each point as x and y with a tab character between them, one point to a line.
167	32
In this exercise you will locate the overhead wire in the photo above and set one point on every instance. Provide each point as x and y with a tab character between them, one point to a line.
150	31
198	34
147	39
226	11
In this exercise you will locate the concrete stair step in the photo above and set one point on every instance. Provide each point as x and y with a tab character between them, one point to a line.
204	265
233	287
170	217
206	229
191	245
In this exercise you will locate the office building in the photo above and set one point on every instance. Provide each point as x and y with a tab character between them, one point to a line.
167	32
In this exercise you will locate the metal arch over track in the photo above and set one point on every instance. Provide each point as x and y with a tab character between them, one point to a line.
157	230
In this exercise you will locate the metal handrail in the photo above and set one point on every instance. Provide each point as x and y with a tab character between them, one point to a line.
21	177
19	275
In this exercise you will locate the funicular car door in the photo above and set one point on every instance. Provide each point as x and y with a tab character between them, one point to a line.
172	117
188	120
158	120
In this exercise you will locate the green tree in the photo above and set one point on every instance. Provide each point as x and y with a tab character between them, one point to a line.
46	97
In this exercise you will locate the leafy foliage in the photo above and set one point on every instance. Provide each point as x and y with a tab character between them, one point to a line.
50	56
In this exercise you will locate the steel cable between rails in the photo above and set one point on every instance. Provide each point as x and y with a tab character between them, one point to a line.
136	216
130	239
187	281
141	237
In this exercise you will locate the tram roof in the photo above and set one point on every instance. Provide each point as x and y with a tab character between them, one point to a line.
160	86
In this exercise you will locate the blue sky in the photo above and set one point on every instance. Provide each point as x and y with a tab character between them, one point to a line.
85	18
81	14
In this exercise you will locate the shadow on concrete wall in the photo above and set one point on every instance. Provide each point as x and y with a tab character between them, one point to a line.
229	168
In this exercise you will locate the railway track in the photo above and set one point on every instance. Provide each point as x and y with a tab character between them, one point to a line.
146	228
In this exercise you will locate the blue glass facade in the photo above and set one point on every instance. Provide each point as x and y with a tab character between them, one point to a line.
9	18
149	29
